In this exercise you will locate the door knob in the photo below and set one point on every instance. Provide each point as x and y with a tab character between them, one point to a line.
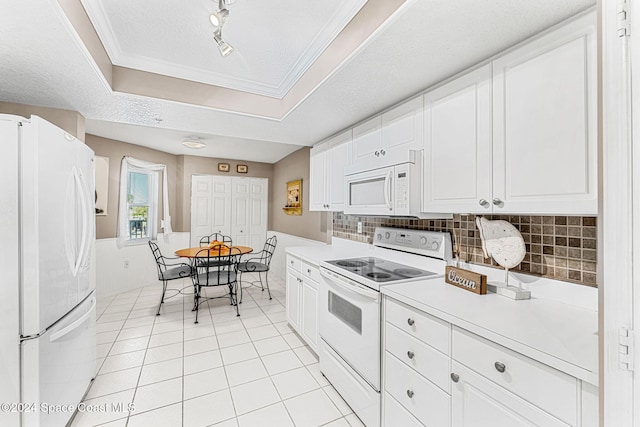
410	354
500	367
410	393
410	321
497	202
455	377
377	153
383	152
483	203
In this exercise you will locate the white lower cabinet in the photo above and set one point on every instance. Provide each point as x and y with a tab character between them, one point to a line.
478	402
438	374
302	300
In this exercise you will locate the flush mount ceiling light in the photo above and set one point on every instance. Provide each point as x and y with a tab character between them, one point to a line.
218	19
194	143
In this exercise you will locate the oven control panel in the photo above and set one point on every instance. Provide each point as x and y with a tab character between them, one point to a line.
435	244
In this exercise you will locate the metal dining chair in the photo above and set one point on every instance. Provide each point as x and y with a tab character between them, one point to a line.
168	269
215	237
218	267
259	263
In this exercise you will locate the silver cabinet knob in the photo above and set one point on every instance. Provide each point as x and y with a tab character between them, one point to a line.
383	152
377	153
410	393
410	354
455	377
500	367
308	270
497	202
410	321
483	203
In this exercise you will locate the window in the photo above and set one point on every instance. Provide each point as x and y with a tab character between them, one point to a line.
138	209
142	202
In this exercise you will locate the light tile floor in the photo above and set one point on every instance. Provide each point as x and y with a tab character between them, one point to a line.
225	371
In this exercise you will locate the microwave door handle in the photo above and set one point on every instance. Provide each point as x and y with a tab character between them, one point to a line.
387	190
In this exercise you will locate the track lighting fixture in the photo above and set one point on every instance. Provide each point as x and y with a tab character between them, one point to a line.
218	19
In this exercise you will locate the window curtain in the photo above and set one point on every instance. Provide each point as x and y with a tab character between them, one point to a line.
123	217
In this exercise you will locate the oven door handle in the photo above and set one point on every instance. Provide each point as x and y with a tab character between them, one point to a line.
350	286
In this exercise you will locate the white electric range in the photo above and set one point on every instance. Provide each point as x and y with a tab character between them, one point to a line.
350	309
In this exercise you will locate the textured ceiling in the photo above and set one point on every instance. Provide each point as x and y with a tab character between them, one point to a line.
42	62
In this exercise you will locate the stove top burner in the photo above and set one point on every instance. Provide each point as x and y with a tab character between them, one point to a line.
410	272
378	276
351	263
379	270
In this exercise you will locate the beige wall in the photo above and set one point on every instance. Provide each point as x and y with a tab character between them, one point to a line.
311	225
71	121
193	165
106	225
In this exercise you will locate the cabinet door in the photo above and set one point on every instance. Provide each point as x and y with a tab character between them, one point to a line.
457	146
402	130
477	402
293	299
367	143
318	167
337	160
545	124
310	313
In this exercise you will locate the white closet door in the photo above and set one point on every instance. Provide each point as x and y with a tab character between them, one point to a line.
201	212
240	211
221	206
259	200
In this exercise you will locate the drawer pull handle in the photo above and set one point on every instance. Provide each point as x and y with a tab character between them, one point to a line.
500	367
410	321
410	354
455	377
410	394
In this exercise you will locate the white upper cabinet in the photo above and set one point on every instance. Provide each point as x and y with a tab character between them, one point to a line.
457	150
367	142
386	139
402	130
326	175
518	135
545	123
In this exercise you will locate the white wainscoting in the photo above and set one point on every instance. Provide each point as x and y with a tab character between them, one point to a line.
279	260
111	275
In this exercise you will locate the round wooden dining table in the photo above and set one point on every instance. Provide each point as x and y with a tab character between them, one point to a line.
199	251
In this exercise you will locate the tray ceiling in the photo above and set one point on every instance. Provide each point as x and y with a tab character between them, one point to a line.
275	41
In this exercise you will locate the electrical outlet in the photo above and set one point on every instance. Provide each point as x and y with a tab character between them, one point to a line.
360	227
126	264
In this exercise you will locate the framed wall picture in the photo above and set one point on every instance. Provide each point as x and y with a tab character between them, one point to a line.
242	168
223	167
294	198
102	184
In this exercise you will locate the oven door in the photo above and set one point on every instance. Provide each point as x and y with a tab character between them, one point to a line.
350	323
370	192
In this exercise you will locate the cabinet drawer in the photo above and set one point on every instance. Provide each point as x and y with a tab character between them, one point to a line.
396	415
425	401
543	386
293	262
426	328
310	271
424	359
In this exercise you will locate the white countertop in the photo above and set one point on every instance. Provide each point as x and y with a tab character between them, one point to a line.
561	332
560	335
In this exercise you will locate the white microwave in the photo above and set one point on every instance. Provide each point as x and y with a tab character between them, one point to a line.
388	191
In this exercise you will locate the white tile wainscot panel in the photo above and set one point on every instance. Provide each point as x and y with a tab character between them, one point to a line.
111	275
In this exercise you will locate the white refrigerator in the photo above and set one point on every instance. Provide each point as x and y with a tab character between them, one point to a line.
47	293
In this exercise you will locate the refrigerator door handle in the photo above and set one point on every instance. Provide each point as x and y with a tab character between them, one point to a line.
83	207
88	214
75	325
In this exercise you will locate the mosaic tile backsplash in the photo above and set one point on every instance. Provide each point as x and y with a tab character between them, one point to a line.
558	247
